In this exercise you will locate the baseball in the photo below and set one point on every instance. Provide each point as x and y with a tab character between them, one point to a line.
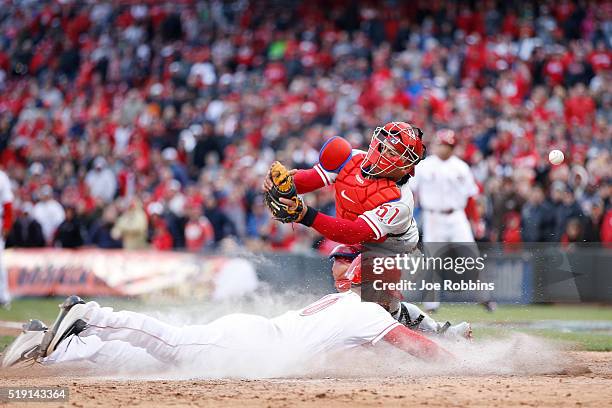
555	157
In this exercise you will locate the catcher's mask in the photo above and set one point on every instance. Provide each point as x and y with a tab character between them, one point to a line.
396	145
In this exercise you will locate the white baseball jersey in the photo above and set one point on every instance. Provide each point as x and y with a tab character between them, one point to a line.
443	185
443	188
6	193
334	323
393	219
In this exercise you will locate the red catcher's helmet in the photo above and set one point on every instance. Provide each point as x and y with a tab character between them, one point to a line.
397	145
446	137
345	251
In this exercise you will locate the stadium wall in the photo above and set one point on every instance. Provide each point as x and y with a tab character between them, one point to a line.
583	275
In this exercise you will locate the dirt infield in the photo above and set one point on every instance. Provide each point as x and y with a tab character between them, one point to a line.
587	381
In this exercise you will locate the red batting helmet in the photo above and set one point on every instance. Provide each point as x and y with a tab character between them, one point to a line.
352	276
353	273
345	251
397	145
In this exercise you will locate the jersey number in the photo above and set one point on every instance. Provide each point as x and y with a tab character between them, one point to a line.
319	305
384	209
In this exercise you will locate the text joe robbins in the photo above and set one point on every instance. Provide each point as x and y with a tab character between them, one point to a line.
447	284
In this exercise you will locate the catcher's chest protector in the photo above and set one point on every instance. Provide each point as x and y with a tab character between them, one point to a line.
356	194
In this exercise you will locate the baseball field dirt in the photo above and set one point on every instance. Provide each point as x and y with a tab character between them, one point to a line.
584	382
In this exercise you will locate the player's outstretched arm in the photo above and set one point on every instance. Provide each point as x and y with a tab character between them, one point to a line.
334	154
308	180
416	344
338	229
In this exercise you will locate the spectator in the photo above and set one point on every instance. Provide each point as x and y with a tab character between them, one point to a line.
593	223
69	234
512	232
161	239
573	232
537	220
258	222
101	181
606	228
222	225
174	213
206	143
179	172
199	232
161	90
565	210
131	227
100	231
506	200
48	212
26	232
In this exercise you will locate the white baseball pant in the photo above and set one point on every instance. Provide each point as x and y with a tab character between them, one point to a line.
441	227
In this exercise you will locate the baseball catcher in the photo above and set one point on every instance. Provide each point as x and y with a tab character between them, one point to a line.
373	202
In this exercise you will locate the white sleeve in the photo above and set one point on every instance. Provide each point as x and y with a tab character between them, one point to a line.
328	177
415	181
390	218
471	188
6	193
369	323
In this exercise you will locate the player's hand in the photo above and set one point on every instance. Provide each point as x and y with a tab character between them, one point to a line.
267	184
292	205
280	194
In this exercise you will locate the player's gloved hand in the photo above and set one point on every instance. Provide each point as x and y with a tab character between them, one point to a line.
280	194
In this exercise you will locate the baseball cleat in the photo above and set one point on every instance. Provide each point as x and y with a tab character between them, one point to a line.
51	334
26	347
71	323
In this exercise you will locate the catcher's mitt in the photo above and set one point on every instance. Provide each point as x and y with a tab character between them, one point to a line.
283	187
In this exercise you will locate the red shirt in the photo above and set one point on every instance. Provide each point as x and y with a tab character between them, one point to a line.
600	60
162	240
606	228
580	108
554	70
198	233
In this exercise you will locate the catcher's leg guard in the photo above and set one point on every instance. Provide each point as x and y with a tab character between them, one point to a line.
27	346
414	318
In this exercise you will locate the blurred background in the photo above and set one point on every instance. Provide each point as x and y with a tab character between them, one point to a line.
150	125
136	135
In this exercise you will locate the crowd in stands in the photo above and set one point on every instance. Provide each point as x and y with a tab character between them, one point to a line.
151	124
